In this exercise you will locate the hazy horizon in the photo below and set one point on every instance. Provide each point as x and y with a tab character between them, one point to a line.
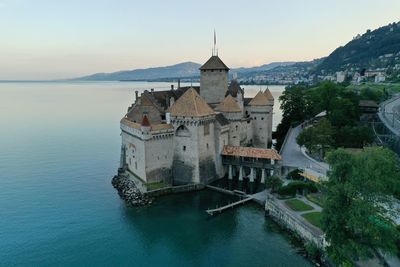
64	39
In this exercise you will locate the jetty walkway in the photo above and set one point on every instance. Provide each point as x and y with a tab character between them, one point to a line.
229	206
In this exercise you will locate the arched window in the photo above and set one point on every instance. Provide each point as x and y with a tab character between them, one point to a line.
182	131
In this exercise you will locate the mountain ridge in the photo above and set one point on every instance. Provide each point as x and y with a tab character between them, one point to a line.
186	69
379	48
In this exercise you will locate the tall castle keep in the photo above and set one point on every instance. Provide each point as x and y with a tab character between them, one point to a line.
182	135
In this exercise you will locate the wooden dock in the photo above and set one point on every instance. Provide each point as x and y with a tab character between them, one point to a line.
229	206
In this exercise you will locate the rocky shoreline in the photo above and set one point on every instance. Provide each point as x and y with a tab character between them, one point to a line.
128	191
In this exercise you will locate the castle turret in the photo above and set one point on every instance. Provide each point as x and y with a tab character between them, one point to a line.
236	92
214	80
260	112
233	113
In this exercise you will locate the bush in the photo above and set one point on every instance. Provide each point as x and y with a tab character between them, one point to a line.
295	175
297	186
312	250
274	183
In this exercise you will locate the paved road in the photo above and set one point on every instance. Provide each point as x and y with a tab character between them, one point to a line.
293	156
387	112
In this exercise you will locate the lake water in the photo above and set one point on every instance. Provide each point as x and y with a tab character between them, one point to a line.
59	148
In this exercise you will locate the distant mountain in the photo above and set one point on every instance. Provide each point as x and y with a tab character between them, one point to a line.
182	70
379	48
264	67
186	69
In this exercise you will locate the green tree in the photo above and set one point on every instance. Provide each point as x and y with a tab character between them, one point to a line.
328	92
353	136
295	107
318	138
370	94
344	113
358	203
273	182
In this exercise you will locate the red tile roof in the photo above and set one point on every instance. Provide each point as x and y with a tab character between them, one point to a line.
251	152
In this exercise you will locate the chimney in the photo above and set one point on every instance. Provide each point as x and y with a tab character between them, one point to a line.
179	83
152	90
168	117
172	87
136	95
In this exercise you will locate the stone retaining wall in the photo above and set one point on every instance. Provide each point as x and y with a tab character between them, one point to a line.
174	189
285	218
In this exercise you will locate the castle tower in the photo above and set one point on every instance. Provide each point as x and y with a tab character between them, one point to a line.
194	143
214	80
231	110
261	114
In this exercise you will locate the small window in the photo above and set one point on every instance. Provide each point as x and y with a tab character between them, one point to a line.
136	165
262	118
184	148
207	146
255	118
206	129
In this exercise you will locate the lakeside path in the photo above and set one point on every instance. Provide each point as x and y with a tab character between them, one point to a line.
293	156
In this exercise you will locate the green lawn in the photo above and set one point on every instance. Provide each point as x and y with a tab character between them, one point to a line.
297	205
316	199
314	218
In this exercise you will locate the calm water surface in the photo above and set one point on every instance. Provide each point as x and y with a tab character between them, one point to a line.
59	148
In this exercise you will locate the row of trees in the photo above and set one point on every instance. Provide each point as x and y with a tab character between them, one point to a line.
324	136
342	128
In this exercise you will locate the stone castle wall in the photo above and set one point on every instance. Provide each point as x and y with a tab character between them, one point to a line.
214	85
135	155
194	150
206	149
259	115
185	159
221	140
159	157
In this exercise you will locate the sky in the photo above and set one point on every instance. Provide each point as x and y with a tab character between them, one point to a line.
48	39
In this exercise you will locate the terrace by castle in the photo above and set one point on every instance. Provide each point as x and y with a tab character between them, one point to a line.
198	134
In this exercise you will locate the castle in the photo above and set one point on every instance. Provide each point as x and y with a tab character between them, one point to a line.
180	136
